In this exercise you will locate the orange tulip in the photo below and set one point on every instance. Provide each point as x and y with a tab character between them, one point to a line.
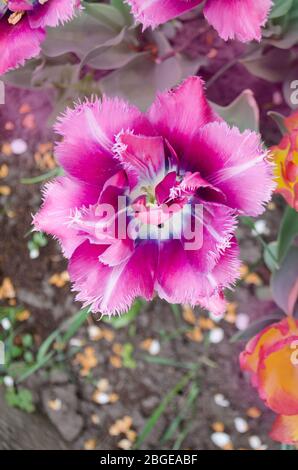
285	157
271	358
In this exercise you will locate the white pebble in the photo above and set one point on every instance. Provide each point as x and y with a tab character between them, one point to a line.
6	325
241	425
18	146
261	228
216	335
220	400
34	253
76	342
154	348
255	442
93	332
220	439
8	381
242	321
102	398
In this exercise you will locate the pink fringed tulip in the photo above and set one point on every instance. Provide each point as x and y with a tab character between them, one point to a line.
233	19
271	358
22	27
162	165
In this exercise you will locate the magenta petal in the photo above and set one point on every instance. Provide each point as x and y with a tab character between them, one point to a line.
155	12
61	197
18	43
90	131
236	163
162	190
219	223
52	13
197	288
20	5
238	19
117	252
141	155
178	114
111	290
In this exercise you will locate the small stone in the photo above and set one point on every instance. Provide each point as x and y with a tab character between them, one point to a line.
34	253
8	381
95	419
94	333
125	444
241	425
218	426
76	342
154	348
261	228
242	321
220	400
6	325
55	405
101	398
220	439
216	335
255	442
18	146
90	444
253	412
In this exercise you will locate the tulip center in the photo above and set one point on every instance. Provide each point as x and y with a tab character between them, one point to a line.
14	17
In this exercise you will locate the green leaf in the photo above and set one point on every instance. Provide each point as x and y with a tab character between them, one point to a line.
243	112
124	10
21	399
107	15
288	231
75	324
27	340
46	176
271	256
192	396
124	320
151	422
280	8
284	282
128	360
279	120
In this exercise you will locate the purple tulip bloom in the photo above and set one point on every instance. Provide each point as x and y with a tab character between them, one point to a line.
22	27
162	164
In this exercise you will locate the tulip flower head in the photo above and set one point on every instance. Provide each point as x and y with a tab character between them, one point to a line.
22	27
149	201
233	19
285	156
272	360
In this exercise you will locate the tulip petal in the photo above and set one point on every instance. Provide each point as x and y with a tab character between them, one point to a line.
111	290
178	114
17	43
234	162
61	198
90	131
285	430
234	19
155	12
